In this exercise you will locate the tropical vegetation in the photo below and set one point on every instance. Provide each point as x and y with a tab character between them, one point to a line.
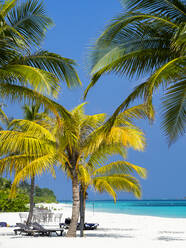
31	148
111	178
26	71
148	40
20	202
32	113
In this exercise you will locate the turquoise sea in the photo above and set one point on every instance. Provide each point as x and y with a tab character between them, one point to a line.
160	208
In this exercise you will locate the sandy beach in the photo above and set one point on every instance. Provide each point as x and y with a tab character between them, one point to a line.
114	229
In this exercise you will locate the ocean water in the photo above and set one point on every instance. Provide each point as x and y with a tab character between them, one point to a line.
160	208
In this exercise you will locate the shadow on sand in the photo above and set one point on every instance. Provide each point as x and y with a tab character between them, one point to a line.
171	236
111	233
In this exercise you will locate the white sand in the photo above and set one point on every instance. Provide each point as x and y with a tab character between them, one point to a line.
114	230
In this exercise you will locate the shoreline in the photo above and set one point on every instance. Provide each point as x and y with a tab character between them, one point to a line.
114	209
117	229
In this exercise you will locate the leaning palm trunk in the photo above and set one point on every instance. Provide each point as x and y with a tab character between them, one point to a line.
30	215
82	211
75	207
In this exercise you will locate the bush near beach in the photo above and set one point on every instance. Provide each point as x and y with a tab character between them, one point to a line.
19	203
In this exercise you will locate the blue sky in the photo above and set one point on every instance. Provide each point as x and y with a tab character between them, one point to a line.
77	25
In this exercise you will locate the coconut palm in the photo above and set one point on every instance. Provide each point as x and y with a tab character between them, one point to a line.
67	143
32	113
148	39
112	177
26	71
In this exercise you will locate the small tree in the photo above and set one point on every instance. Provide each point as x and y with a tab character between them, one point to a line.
32	113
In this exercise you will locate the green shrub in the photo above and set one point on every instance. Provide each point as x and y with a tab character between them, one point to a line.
18	204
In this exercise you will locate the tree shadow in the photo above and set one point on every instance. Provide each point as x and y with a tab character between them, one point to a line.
108	235
117	229
111	233
171	236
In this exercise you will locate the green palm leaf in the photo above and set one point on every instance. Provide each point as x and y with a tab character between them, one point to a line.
173	8
119	183
36	167
7	6
84	175
174	111
61	67
32	127
102	185
149	38
20	142
120	167
21	93
12	163
3	116
40	80
30	20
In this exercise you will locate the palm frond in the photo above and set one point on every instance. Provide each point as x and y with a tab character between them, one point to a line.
19	142
174	111
134	113
137	62
15	92
120	167
3	116
169	72
42	81
179	40
98	157
90	123
7	6
149	38
84	175
117	182
30	20
102	185
13	163
62	68
128	136
131	22
33	128
175	9
36	167
138	92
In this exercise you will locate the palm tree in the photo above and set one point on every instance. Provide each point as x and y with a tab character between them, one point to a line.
148	39
26	71
112	177
67	143
32	113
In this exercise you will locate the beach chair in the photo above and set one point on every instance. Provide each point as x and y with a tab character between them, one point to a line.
57	217
87	226
23	217
90	226
24	229
46	231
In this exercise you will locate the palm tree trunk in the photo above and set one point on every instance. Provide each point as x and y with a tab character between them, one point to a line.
75	207
30	215
82	211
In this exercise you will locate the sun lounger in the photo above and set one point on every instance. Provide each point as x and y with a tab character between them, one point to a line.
90	226
24	229
46	231
87	226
